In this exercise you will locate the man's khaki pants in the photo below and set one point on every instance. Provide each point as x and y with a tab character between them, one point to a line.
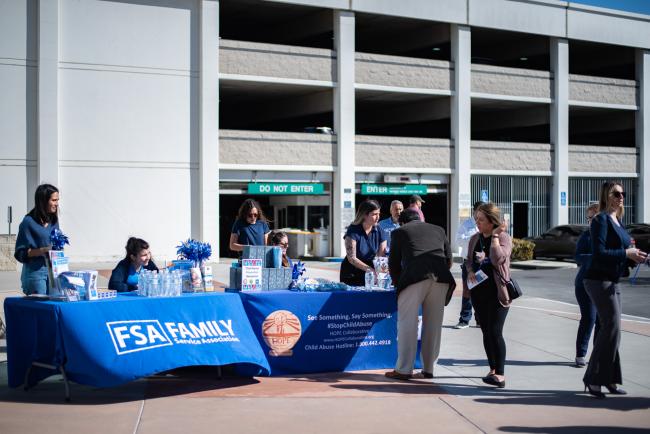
431	296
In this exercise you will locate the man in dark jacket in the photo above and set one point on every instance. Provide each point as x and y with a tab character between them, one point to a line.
419	265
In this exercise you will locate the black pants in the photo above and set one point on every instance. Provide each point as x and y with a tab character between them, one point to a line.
605	363
493	316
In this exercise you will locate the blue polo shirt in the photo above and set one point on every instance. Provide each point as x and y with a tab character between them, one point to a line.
250	234
367	244
387	226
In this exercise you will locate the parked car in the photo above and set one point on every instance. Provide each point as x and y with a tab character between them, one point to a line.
559	242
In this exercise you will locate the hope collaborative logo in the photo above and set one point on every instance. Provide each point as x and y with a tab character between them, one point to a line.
281	331
140	335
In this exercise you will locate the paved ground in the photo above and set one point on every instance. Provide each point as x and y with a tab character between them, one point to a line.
543	393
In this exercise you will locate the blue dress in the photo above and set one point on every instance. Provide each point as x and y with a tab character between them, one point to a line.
367	248
32	235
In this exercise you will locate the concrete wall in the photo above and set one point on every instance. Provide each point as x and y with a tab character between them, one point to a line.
273	60
602	90
128	124
593	159
402	71
276	148
511	81
381	151
488	155
18	140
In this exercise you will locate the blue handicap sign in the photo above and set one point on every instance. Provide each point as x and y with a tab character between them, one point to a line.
484	196
563	198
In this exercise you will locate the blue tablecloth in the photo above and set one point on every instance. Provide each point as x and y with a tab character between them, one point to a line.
306	332
110	342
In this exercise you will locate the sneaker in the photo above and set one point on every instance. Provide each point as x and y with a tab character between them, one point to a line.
581	362
461	325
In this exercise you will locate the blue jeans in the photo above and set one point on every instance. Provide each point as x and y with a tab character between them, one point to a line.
34	281
588	318
466	303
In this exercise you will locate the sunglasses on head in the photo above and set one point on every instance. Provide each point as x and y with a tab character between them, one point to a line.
618	194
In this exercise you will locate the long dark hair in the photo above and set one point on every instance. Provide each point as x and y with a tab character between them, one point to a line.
365	208
246	208
134	246
276	236
40	212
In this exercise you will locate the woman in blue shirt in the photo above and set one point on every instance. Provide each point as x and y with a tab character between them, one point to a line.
138	257
610	246
33	240
363	241
250	228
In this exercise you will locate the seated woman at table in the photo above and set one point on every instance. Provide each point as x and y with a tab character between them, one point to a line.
363	241
124	277
279	238
250	228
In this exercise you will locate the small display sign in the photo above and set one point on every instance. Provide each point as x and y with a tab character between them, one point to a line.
285	188
563	198
251	275
393	189
485	197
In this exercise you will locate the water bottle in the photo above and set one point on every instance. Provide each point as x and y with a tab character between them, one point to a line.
370	279
155	287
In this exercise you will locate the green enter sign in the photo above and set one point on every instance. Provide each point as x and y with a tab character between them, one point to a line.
388	189
284	188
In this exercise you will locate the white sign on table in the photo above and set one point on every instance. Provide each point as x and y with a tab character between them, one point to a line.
251	275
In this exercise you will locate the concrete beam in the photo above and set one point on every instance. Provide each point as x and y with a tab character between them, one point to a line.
560	131
48	92
460	196
343	206
208	185
643	134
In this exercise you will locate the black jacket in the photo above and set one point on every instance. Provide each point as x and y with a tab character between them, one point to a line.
418	251
608	245
121	273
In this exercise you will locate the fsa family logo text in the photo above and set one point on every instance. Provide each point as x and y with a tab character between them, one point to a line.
140	335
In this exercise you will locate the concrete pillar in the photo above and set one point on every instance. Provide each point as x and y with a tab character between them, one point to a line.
461	116
48	93
344	125
560	131
643	134
208	185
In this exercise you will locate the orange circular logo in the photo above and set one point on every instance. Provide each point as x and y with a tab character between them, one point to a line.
281	331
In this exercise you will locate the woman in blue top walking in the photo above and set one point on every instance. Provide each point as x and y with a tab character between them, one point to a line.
610	246
587	308
33	240
250	228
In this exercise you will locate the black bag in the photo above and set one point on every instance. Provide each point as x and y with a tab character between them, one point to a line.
513	288
514	291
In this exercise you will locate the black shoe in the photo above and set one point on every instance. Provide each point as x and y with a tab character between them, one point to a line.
615	390
594	390
494	381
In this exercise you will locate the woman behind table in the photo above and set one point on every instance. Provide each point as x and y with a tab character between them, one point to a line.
587	307
124	277
250	228
610	245
363	241
280	239
489	250
33	240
